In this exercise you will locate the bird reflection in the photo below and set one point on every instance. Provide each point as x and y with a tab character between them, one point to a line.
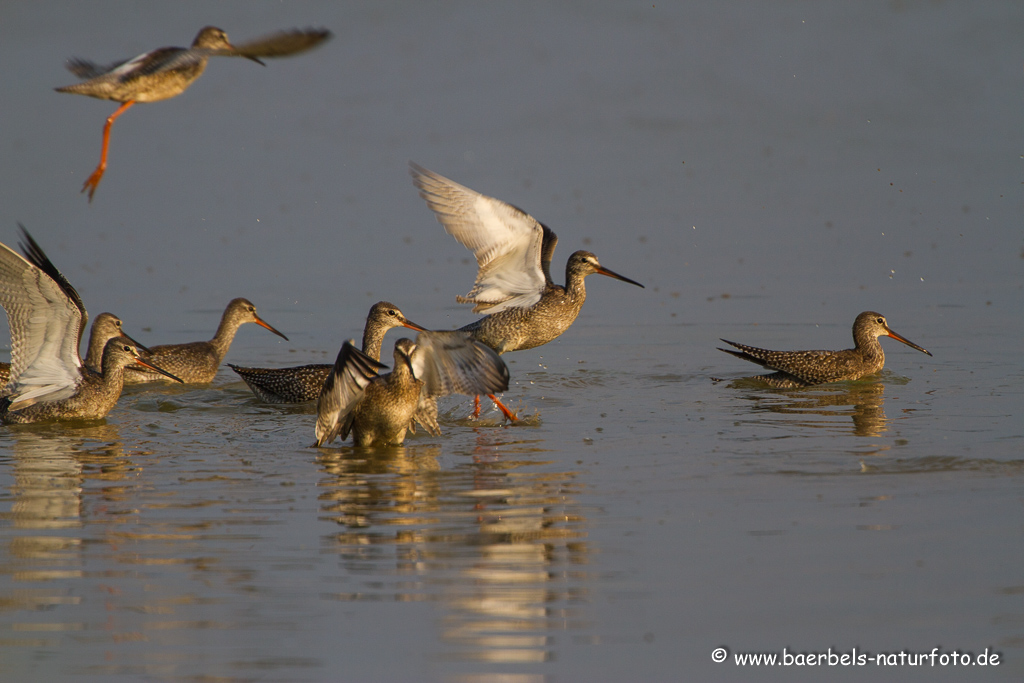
368	482
865	402
50	467
496	542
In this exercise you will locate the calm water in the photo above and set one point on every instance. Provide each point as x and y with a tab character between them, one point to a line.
767	171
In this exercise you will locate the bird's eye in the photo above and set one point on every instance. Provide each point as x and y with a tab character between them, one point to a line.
392	312
880	321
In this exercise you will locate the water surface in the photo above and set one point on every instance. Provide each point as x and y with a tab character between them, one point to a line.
767	171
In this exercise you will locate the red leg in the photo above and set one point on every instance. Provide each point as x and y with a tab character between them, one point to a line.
476	407
509	415
93	181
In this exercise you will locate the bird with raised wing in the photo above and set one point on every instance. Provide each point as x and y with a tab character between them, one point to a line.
198	362
381	409
794	369
524	307
302	383
168	71
47	378
106	326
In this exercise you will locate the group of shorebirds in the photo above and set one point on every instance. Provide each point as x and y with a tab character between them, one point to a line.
523	307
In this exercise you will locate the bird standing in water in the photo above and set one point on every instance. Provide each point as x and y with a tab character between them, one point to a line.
381	409
47	377
302	383
524	307
168	71
806	368
197	362
106	326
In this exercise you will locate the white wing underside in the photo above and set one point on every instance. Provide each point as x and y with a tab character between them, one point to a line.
505	241
44	323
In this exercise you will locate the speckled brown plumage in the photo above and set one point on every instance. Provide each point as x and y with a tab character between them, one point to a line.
389	402
46	317
106	326
380	410
513	252
296	384
168	71
197	362
93	397
806	368
302	383
517	329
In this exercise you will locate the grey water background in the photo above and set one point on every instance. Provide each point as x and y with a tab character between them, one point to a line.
767	170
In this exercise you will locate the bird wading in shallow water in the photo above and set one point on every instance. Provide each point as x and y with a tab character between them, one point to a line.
197	362
795	369
106	326
47	378
303	382
381	409
168	71
524	307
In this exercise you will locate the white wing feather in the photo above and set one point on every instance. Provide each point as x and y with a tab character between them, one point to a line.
45	324
505	241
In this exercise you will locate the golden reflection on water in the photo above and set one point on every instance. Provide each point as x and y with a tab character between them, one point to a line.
862	403
49	467
500	548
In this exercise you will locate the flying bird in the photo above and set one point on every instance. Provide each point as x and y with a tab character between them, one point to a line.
168	71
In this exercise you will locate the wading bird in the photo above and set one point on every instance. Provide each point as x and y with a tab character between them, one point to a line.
380	409
524	307
197	362
302	383
47	379
806	368
168	71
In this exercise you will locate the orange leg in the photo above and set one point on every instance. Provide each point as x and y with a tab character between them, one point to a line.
476	407
93	181
509	415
